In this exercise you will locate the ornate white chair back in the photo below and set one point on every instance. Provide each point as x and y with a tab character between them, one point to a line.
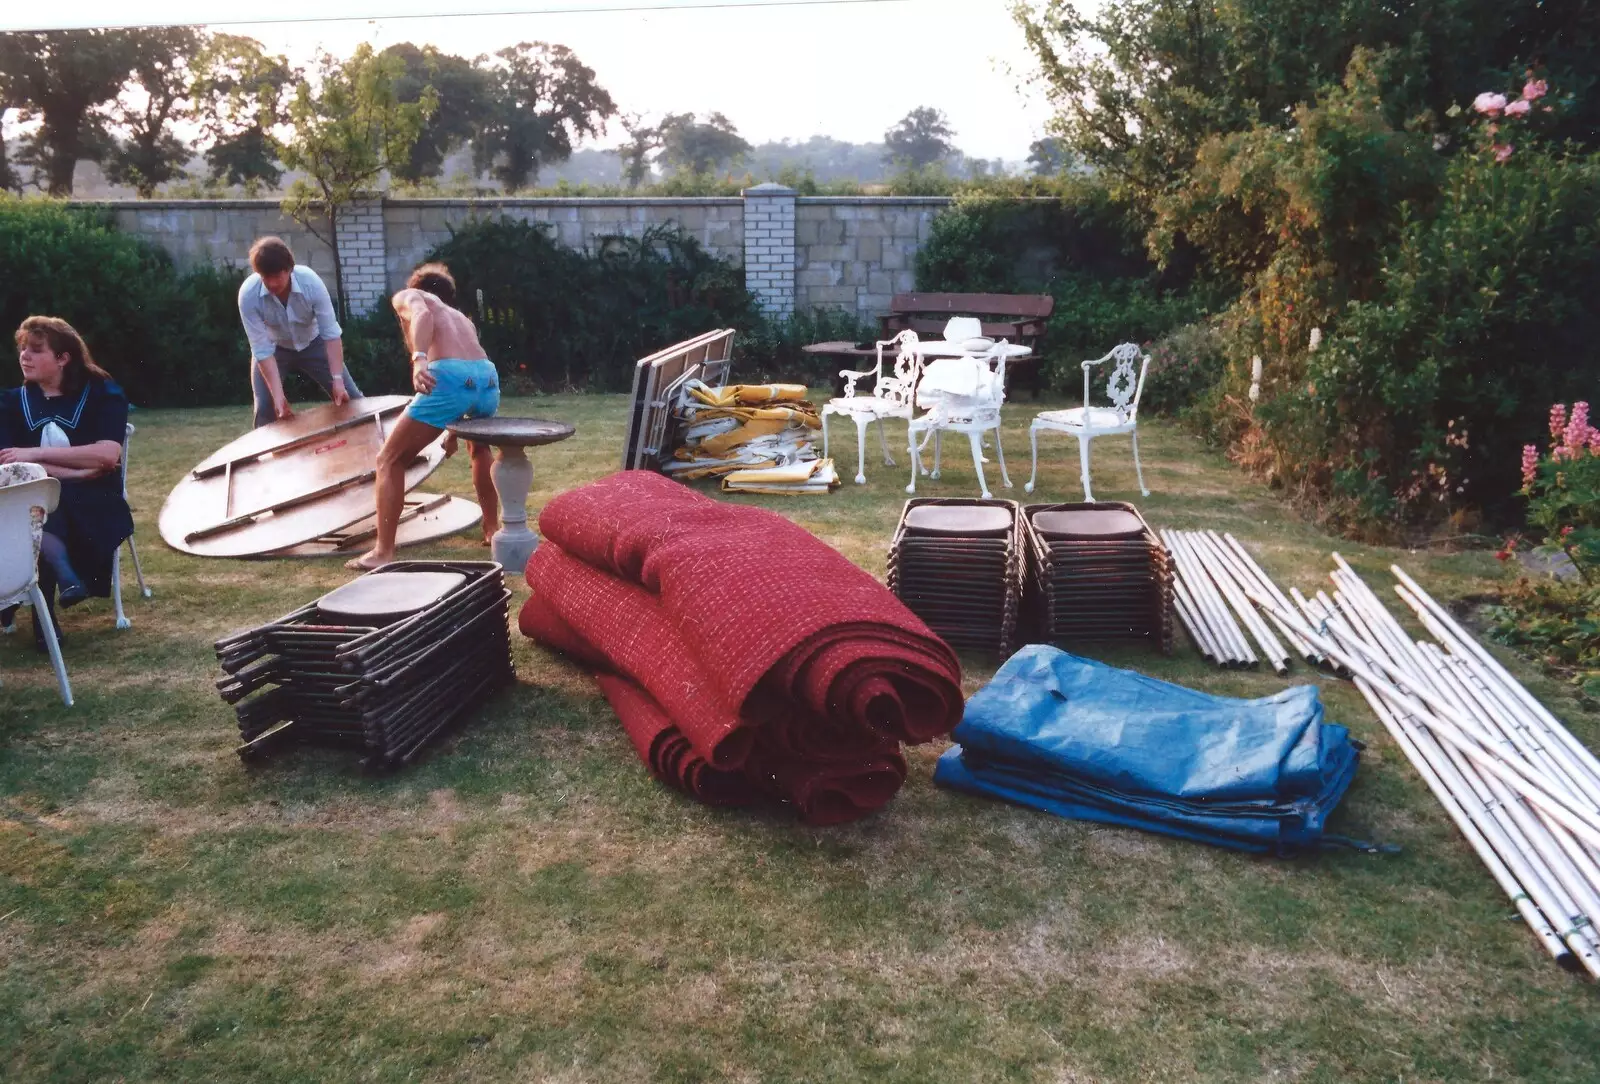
898	385
1124	386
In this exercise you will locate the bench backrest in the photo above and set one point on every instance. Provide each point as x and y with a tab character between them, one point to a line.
1017	317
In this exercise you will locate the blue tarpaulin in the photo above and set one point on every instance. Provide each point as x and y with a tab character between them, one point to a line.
1081	739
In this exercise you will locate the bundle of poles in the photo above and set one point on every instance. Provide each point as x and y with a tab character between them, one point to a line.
1211	592
1520	787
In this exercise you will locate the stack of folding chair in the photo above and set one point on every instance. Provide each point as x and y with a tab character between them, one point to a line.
1096	571
957	564
383	664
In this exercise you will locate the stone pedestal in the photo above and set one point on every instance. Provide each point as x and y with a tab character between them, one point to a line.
514	542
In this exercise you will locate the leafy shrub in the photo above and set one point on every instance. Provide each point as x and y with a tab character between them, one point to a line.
1560	621
1084	250
169	339
1185	364
553	317
1451	274
769	350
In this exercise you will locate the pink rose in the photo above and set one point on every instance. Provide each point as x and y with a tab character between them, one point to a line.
1502	151
1492	104
1535	89
1517	108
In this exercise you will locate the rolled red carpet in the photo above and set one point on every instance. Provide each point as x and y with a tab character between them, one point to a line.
753	640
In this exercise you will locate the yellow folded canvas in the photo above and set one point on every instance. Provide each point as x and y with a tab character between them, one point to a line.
747	394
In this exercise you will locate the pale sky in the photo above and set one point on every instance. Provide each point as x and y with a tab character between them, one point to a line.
847	70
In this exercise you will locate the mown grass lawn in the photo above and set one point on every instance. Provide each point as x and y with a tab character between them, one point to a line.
527	904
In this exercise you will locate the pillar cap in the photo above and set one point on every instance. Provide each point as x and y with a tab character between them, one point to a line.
770	188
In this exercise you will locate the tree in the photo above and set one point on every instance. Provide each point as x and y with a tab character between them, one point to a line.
348	131
242	93
61	77
163	75
692	146
466	95
1138	87
921	138
545	99
643	141
1049	156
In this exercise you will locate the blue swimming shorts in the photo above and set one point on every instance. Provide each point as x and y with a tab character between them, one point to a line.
462	389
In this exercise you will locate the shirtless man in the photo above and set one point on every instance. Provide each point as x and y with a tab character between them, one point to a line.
454	379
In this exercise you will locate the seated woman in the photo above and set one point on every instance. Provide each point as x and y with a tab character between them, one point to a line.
69	417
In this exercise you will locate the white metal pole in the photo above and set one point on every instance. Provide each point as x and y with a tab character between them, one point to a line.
1447	724
1483	825
1492	664
1224	577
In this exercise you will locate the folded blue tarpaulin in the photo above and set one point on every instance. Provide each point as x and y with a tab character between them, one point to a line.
1081	739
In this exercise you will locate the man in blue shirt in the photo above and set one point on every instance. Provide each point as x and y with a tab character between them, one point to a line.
288	318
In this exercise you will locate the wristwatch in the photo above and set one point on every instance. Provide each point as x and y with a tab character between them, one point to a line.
418	355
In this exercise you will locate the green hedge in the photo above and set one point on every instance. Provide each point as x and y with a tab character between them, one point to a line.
553	317
1082	249
169	338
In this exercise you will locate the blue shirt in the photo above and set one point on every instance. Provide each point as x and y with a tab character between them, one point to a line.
305	317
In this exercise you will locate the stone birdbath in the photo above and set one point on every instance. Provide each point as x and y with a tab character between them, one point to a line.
513	543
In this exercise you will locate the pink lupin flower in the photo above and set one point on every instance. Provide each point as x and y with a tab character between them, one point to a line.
1558	421
1530	464
1577	432
1534	89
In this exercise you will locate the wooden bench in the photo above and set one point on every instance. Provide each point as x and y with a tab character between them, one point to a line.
1018	318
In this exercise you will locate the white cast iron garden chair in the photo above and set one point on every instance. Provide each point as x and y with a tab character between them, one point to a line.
1087	422
890	398
24	504
116	562
963	395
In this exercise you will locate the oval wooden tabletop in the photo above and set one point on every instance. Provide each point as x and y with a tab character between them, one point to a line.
424	518
518	432
288	483
305	424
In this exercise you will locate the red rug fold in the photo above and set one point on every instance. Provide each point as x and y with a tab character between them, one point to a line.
734	637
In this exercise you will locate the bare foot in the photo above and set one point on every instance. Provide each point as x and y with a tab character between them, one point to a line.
448	445
487	542
368	561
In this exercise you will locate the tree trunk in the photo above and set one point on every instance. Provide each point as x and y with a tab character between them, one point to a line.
62	157
340	303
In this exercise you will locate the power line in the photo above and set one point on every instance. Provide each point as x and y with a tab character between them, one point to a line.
690	5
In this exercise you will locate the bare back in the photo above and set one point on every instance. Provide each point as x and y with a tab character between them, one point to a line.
433	326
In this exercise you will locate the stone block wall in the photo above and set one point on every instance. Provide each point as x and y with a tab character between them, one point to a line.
798	253
854	253
217	232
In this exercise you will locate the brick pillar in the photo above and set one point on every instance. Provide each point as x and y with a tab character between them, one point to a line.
363	259
769	246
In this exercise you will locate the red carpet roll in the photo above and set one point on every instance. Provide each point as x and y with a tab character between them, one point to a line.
750	640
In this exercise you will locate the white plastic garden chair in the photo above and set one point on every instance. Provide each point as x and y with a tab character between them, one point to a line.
116	561
969	402
23	508
891	398
1123	389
